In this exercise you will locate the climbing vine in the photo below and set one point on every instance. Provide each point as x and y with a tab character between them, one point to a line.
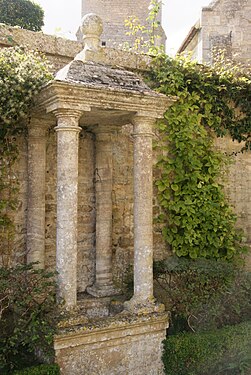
145	38
211	100
22	74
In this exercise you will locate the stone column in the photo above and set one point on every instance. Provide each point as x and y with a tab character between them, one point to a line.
37	130
104	170
143	231
67	204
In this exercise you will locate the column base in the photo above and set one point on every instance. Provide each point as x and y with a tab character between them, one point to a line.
139	306
103	290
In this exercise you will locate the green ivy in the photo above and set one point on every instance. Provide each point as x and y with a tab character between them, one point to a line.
40	370
198	220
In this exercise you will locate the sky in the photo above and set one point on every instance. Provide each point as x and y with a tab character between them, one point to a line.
178	18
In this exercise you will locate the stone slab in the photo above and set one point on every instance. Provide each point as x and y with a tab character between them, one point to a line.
128	345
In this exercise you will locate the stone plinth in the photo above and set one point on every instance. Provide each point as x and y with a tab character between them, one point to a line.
126	345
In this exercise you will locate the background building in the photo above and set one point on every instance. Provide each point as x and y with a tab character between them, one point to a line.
224	24
114	13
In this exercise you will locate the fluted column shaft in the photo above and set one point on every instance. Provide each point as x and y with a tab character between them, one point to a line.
37	130
103	183
67	204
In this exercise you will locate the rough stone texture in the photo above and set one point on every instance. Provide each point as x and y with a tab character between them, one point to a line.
129	345
225	24
102	76
114	13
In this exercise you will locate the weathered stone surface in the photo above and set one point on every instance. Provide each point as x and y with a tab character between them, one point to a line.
129	345
102	76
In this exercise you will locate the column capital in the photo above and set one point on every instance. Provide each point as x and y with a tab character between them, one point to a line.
68	119
142	125
67	112
38	127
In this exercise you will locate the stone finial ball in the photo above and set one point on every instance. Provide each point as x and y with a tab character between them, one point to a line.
92	24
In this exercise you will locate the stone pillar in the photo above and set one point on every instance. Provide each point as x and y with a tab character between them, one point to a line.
143	231
36	192
104	171
67	204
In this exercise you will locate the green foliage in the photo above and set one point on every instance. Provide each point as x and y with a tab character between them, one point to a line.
24	13
224	352
198	220
27	316
203	294
145	37
227	306
40	370
22	74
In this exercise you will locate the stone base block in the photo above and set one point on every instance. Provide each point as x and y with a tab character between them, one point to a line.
125	345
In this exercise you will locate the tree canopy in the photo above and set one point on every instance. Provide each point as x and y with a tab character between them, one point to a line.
23	13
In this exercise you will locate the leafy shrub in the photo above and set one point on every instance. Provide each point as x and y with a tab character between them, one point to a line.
203	294
27	317
225	307
222	352
23	13
40	370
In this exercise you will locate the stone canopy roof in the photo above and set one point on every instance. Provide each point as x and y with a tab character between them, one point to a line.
92	74
103	91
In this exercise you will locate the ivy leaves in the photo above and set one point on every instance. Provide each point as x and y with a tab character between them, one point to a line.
198	220
22	73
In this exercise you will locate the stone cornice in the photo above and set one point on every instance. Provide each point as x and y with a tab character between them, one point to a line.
113	328
58	95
